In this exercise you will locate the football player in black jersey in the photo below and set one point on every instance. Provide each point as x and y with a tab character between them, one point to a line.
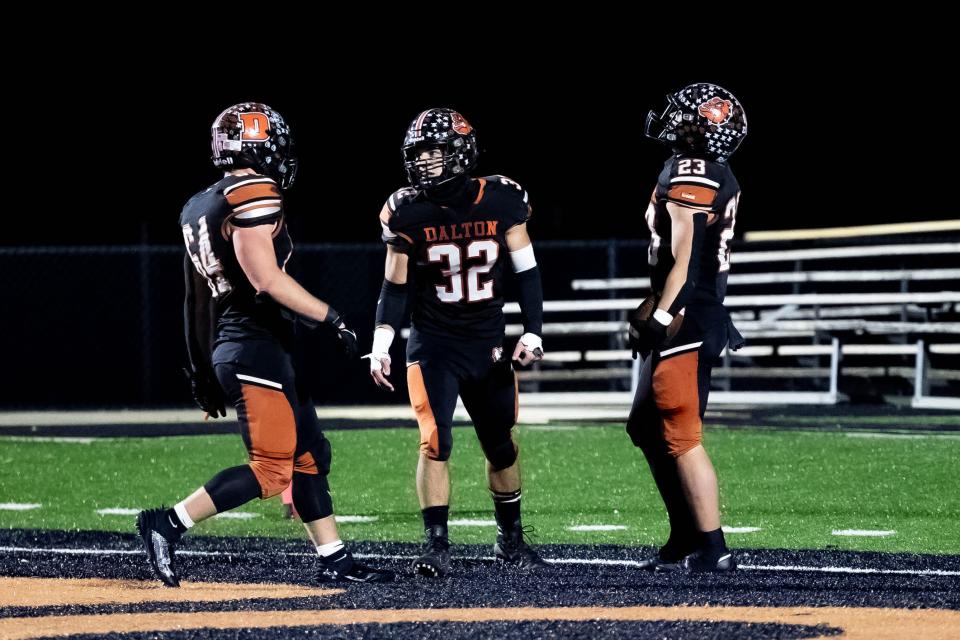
239	314
682	328
449	238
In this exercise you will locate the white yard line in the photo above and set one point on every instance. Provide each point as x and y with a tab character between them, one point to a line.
575	561
61	440
356	519
904	436
237	515
865	533
118	511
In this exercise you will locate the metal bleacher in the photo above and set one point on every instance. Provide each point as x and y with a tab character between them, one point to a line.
875	317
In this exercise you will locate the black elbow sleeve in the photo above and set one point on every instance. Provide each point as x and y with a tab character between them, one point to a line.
391	305
531	300
693	266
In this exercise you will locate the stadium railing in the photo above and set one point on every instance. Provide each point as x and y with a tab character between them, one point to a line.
912	324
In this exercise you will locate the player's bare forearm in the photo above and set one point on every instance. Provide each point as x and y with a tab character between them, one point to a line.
291	294
682	231
255	253
674	284
395	269
517	237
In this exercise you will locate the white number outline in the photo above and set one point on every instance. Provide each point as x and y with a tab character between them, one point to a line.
726	233
684	168
204	260
452	254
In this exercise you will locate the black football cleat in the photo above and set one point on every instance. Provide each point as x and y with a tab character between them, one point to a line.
512	549
669	557
159	539
343	568
435	561
710	562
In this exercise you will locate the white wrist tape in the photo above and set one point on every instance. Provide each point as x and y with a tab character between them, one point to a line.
663	317
523	259
531	341
382	339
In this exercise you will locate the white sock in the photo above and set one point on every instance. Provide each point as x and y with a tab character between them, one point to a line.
181	510
327	550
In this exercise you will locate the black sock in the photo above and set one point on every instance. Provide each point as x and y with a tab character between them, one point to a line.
174	520
684	537
434	517
713	540
506	505
678	546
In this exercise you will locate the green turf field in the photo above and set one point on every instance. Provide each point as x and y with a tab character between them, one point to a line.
796	486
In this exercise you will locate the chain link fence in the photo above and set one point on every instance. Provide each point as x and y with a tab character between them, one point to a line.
101	326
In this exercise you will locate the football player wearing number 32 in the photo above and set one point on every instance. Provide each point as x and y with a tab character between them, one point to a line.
454	234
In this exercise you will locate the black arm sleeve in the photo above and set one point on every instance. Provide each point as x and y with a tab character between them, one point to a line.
391	305
197	317
693	266
530	295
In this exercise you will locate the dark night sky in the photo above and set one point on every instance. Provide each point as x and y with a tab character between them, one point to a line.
837	136
107	135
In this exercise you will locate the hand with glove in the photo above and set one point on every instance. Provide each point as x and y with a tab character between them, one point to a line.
348	339
206	391
651	328
529	349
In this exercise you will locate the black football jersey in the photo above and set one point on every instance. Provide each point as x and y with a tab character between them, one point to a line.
207	221
457	252
705	186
